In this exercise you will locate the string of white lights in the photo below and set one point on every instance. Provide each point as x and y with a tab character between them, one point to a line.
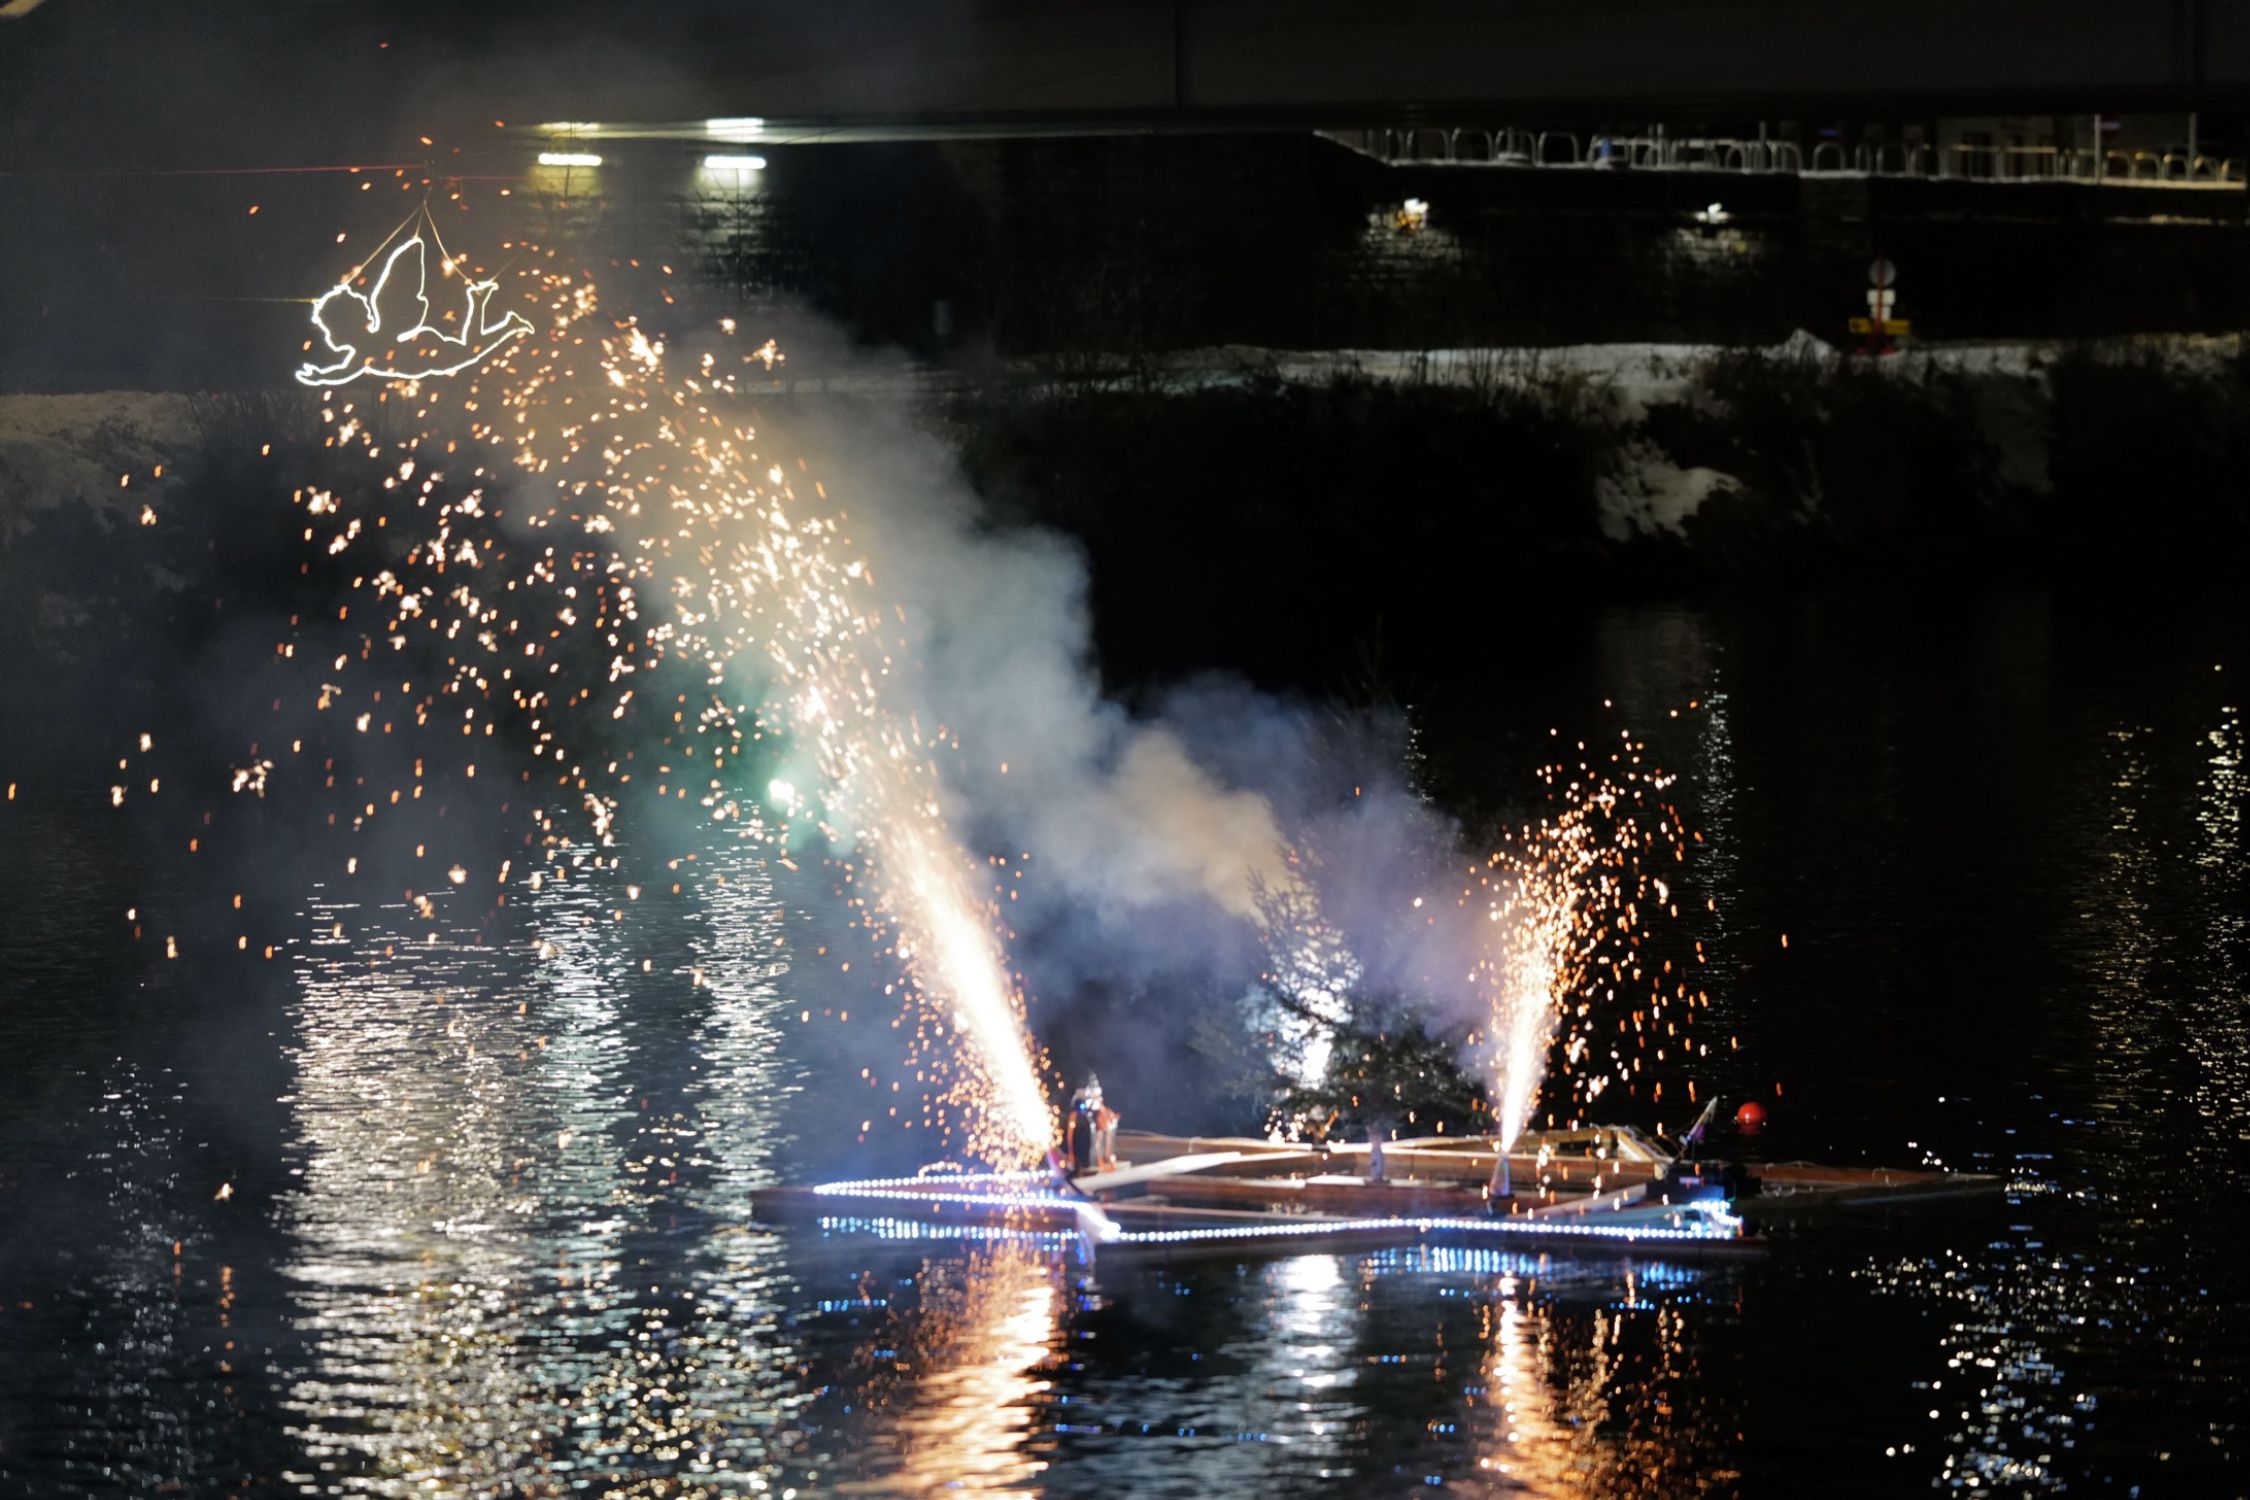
480	338
1702	1221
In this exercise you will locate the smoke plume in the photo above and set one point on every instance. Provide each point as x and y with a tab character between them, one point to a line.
1182	848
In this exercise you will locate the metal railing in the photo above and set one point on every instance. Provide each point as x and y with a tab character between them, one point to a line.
1512	146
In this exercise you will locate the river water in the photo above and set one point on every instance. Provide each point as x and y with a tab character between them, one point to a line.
464	1214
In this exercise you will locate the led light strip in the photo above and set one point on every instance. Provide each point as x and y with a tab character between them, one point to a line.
1092	1220
350	364
1723	1226
916	1229
915	1186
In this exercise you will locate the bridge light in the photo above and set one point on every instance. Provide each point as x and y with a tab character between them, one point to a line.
569	159
733	161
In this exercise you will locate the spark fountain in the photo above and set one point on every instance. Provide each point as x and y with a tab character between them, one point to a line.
1561	907
575	493
1564	898
652	489
671	542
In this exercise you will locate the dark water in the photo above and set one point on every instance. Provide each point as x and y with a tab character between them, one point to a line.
487	1230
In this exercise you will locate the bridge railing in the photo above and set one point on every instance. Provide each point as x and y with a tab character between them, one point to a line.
1513	146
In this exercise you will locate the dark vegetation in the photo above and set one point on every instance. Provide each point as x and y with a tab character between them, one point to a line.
1281	528
1293	529
1388	1072
1271	526
2152	468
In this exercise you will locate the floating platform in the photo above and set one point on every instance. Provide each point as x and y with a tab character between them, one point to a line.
1020	1205
1608	1190
1448	1175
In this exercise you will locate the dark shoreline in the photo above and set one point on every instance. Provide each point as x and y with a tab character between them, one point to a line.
1297	530
1311	532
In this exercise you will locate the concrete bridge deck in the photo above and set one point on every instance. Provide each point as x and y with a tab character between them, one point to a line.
862	65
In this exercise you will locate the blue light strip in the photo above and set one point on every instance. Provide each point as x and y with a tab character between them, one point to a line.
919	1229
1091	1220
1014	1192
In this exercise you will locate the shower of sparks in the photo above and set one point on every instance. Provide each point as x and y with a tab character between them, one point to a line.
1567	901
1541	949
580	500
583	524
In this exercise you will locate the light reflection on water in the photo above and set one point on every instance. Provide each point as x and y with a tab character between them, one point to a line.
486	1155
1017	1365
954	1394
517	1256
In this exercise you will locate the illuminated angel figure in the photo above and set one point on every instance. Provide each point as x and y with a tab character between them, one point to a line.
352	326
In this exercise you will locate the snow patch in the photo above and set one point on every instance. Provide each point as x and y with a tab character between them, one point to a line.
1803	347
71	450
1646	493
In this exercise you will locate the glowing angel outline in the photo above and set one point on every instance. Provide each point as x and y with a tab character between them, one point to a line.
350	364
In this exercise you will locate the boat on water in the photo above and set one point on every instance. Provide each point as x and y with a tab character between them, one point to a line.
1607	1189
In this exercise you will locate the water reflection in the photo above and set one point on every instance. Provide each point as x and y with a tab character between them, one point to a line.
2003	1410
2223	1085
955	1388
1302	1351
516	1254
1593	1402
497	1157
2166	943
1526	1373
1015	1365
89	1397
2114	1238
2225	791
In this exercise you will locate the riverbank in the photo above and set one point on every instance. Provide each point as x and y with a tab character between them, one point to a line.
1300	509
1286	509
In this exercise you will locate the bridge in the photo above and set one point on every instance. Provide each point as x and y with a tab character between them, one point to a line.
852	68
1199	62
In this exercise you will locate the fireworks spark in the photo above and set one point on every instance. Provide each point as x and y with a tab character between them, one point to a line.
1539	948
1567	901
570	485
583	530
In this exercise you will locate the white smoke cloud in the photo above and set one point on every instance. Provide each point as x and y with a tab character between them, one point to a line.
1152	830
1159	820
1125	814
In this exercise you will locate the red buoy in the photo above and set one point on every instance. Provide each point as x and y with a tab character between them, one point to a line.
1751	1115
